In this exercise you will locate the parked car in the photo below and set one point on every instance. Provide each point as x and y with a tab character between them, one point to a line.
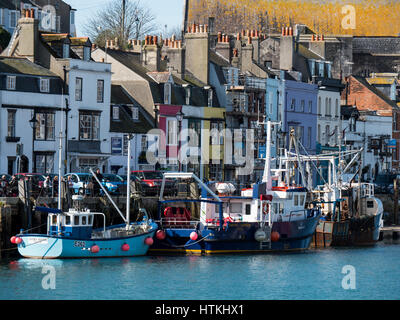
113	183
384	183
151	180
80	182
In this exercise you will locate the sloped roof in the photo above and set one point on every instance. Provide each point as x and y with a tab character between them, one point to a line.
307	53
23	66
377	92
131	61
159	77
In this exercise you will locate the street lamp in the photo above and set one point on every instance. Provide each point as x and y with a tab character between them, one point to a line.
179	116
33	123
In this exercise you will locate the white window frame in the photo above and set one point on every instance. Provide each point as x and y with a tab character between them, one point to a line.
135	113
115	113
172	136
167	93
13	13
100	91
11	82
44	85
78	89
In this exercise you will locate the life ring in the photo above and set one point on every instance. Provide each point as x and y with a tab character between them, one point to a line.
265	208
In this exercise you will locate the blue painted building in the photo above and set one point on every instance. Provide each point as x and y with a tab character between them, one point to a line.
300	113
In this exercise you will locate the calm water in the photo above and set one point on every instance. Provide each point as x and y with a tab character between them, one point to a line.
316	274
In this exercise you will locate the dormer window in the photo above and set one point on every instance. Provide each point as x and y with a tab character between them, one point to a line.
86	53
135	113
167	93
11	82
44	85
65	50
115	113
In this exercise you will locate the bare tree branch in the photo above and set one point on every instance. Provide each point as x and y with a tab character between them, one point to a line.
108	23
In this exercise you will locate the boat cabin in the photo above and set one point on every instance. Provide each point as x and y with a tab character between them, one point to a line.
72	224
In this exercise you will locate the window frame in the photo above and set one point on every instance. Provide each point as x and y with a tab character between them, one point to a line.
44	85
78	89
49	135
93	117
100	91
11	83
13	125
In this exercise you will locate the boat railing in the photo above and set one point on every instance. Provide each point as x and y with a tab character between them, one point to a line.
178	224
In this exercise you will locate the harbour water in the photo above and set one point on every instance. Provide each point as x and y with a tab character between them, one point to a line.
314	275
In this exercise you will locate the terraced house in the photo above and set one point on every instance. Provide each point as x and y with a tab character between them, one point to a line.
87	84
30	116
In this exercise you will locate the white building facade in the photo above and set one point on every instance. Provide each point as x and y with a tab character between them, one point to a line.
30	117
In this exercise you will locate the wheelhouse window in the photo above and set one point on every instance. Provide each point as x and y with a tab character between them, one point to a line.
76	220
89	126
100	91
11	82
45	126
67	220
78	89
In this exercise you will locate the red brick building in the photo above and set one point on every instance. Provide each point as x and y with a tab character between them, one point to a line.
365	97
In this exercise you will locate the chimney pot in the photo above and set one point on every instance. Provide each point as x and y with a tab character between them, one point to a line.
322	38
219	37
33	13
238	36
249	40
155	40
283	31
206	28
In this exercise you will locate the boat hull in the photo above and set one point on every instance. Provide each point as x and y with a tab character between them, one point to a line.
354	232
237	238
37	246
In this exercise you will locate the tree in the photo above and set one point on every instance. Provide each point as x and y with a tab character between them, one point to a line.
126	19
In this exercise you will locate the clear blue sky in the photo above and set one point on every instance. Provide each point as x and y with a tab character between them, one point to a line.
167	12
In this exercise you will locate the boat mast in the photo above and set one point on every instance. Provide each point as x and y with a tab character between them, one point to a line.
60	150
128	183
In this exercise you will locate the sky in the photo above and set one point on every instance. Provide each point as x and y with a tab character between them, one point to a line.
167	12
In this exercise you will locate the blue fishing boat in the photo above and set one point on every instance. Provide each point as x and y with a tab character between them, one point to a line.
71	234
262	219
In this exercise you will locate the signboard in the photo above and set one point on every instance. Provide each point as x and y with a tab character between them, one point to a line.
392	144
262	152
116	146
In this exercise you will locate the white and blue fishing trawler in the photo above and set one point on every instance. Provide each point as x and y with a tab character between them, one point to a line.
71	234
263	219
